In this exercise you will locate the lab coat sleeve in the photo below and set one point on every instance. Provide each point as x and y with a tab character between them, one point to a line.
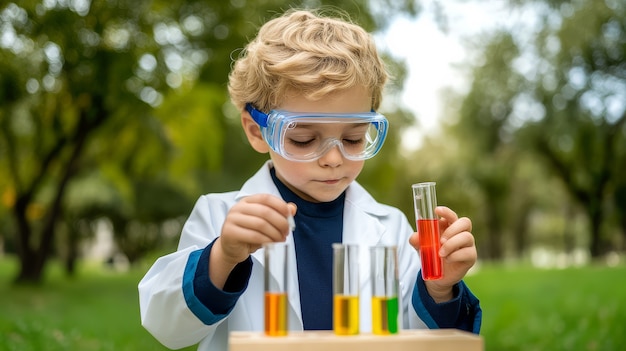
205	300
169	308
462	312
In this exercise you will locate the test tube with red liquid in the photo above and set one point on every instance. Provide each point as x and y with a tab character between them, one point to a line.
425	202
276	302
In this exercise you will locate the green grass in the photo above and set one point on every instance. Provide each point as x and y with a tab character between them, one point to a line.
97	310
570	309
524	309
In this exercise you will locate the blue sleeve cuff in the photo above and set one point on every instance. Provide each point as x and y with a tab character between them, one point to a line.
207	302
462	312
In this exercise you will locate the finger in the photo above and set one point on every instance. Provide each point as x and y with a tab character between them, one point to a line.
291	218
258	219
446	216
287	211
463	224
271	223
457	242
251	229
268	210
466	256
292	208
414	240
274	202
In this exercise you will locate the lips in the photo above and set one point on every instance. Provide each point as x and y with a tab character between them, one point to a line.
331	181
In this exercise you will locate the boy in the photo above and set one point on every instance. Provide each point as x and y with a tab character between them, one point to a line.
307	88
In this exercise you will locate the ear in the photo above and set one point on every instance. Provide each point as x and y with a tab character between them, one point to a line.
253	133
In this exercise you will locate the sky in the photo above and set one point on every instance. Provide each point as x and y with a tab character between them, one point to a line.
431	54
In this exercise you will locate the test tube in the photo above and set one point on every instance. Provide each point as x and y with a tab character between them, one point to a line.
276	288
345	289
384	275
425	201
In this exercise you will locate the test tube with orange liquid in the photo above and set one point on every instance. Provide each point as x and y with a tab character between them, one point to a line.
345	289
276	302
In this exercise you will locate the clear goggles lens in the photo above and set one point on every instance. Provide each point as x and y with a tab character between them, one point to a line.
308	136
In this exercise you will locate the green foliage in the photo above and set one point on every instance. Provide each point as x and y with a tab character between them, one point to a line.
540	136
119	109
582	131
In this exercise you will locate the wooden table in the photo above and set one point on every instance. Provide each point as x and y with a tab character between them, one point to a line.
409	340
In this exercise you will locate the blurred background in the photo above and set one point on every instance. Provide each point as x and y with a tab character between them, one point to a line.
114	118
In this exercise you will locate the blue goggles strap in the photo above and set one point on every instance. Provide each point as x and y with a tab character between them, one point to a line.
259	117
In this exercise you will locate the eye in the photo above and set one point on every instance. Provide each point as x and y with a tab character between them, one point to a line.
356	136
301	136
302	142
354	140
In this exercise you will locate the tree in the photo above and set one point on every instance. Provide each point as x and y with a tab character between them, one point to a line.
489	158
582	93
81	86
78	81
562	101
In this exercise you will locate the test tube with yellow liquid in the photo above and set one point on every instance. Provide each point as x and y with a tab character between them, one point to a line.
345	289
384	275
276	289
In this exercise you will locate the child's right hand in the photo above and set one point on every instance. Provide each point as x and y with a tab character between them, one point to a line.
253	221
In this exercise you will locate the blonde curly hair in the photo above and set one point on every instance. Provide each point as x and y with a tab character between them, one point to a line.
305	52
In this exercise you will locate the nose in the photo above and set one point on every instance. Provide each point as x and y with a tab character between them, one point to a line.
332	158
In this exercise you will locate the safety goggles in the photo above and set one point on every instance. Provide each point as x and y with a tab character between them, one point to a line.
300	136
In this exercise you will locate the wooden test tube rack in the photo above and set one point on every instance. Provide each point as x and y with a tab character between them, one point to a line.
409	340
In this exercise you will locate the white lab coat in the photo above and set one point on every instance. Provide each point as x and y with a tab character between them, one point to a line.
165	314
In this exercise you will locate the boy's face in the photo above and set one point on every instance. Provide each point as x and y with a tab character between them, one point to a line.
324	179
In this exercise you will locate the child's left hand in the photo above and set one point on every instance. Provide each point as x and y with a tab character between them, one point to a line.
458	251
